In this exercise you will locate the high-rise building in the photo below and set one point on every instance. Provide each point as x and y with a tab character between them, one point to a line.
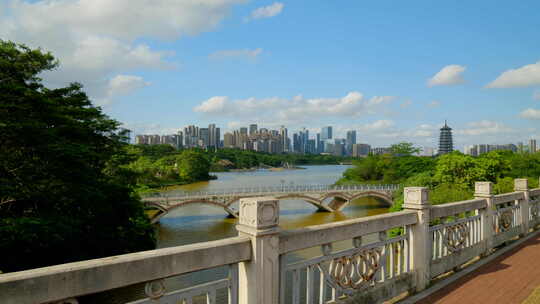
360	150
445	140
191	136
311	147
218	138
339	149
320	143
351	140
284	138
228	140
252	129
532	145
204	137
213	136
326	133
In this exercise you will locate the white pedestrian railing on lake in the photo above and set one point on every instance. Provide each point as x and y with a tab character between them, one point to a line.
272	190
368	259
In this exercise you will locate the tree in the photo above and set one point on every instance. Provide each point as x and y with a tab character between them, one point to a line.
404	149
64	194
193	166
457	168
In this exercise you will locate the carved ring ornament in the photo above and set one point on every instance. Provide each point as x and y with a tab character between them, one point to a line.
534	209
455	237
505	220
155	289
355	271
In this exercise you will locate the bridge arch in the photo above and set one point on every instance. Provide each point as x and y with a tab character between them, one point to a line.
168	208
340	195
384	197
312	200
315	202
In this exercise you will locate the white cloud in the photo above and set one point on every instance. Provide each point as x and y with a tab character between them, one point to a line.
530	114
449	75
215	104
294	110
484	127
528	75
97	39
536	95
245	53
378	125
269	11
121	85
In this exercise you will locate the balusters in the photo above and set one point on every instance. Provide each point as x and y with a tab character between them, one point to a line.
296	286
407	250
322	288
233	284
310	284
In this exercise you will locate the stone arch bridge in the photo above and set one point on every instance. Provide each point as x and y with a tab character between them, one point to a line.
327	198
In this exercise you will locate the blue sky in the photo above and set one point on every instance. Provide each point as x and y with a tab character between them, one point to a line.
392	70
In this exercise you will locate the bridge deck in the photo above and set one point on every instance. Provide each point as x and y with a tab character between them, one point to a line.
509	279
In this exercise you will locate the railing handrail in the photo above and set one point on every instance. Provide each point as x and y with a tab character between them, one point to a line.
311	236
277	189
448	209
54	283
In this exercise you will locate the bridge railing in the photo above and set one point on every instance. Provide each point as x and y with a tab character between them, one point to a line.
273	189
370	259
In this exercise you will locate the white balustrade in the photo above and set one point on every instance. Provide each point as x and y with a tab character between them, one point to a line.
368	259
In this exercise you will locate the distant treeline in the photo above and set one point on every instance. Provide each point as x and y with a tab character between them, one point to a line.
162	165
449	177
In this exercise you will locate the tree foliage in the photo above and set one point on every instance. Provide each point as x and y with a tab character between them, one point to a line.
64	192
404	149
449	177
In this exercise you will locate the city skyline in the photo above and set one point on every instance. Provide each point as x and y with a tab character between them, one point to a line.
259	138
393	75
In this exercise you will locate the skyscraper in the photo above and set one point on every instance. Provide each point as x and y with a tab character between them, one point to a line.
213	136
532	145
252	129
326	133
445	140
284	138
351	140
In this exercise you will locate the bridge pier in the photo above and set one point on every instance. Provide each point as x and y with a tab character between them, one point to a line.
338	203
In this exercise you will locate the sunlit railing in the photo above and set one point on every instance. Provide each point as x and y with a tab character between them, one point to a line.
364	260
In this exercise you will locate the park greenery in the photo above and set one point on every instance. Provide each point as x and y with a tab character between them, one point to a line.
163	165
66	191
449	177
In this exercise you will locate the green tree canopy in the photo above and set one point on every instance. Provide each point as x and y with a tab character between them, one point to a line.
63	193
193	166
404	149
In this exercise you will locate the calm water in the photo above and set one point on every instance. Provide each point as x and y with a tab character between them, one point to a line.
199	223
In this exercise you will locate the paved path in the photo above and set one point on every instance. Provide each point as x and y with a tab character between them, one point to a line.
509	279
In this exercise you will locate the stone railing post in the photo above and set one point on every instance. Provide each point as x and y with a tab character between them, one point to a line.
417	199
522	185
484	190
258	279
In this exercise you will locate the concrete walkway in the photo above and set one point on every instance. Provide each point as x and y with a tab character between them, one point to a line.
508	279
